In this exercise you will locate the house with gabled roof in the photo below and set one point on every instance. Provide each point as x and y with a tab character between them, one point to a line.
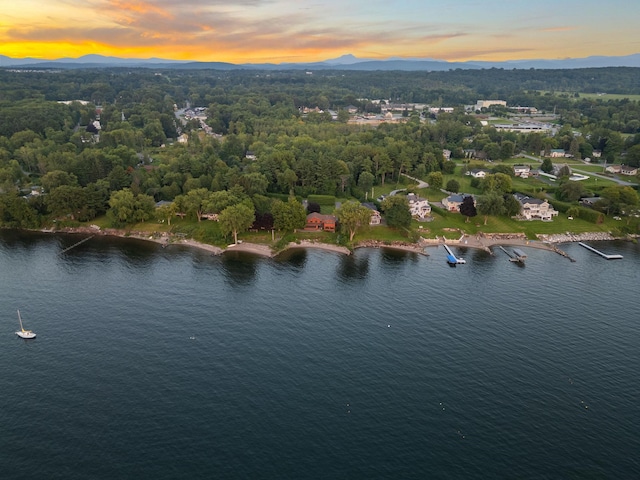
419	207
320	222
478	173
376	217
535	208
627	170
452	202
522	171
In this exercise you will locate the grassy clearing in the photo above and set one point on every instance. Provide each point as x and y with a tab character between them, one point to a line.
609	96
593	96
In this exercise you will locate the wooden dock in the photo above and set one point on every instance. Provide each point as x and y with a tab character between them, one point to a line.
76	244
516	256
603	255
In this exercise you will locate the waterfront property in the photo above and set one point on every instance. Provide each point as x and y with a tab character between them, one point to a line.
419	207
535	208
320	222
452	202
376	217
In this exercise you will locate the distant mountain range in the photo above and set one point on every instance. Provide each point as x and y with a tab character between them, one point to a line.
345	62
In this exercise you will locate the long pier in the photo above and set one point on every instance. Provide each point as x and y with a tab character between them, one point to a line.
603	255
76	244
451	258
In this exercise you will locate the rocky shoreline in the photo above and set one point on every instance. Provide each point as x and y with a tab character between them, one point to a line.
577	237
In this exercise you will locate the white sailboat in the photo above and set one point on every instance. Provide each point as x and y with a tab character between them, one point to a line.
22	333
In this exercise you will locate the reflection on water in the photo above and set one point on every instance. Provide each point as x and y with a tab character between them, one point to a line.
293	259
393	257
353	267
23	240
240	268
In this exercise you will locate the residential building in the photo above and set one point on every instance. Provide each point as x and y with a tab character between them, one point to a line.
522	171
627	170
318	221
452	202
535	208
376	217
419	207
477	173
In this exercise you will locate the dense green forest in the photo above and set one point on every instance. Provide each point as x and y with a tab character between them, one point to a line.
112	148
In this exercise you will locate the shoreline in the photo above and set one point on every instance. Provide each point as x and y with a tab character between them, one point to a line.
545	242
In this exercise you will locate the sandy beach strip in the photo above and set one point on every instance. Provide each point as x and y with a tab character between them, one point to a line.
247	247
320	246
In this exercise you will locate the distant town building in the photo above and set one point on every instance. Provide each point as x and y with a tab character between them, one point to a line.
480	104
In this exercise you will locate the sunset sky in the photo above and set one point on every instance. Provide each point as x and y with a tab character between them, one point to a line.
255	31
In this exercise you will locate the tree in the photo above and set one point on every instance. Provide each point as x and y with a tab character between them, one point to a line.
167	211
492	150
564	171
435	180
453	186
396	211
66	199
547	165
57	178
633	156
468	207
289	215
365	182
352	215
570	191
236	218
507	149
491	204
512	206
129	208
194	202
343	116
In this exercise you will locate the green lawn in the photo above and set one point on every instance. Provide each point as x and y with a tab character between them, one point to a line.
596	96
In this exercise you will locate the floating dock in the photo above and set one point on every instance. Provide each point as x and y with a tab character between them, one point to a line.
516	256
451	258
603	255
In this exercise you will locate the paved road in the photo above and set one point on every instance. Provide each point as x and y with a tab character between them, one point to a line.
421	184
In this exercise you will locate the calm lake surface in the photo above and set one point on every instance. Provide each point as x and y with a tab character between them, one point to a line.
156	363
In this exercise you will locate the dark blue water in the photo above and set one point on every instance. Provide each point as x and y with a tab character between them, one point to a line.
169	363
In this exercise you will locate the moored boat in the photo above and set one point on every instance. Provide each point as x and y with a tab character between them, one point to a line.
22	333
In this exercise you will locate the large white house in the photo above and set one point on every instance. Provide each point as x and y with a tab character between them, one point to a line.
534	208
477	173
419	207
522	171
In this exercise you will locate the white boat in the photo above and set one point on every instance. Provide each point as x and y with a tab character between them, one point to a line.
22	333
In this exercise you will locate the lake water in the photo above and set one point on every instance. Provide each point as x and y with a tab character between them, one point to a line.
156	363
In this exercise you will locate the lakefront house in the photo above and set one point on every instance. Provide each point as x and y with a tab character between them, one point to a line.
535	209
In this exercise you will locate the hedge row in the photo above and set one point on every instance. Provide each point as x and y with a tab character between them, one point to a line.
322	199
